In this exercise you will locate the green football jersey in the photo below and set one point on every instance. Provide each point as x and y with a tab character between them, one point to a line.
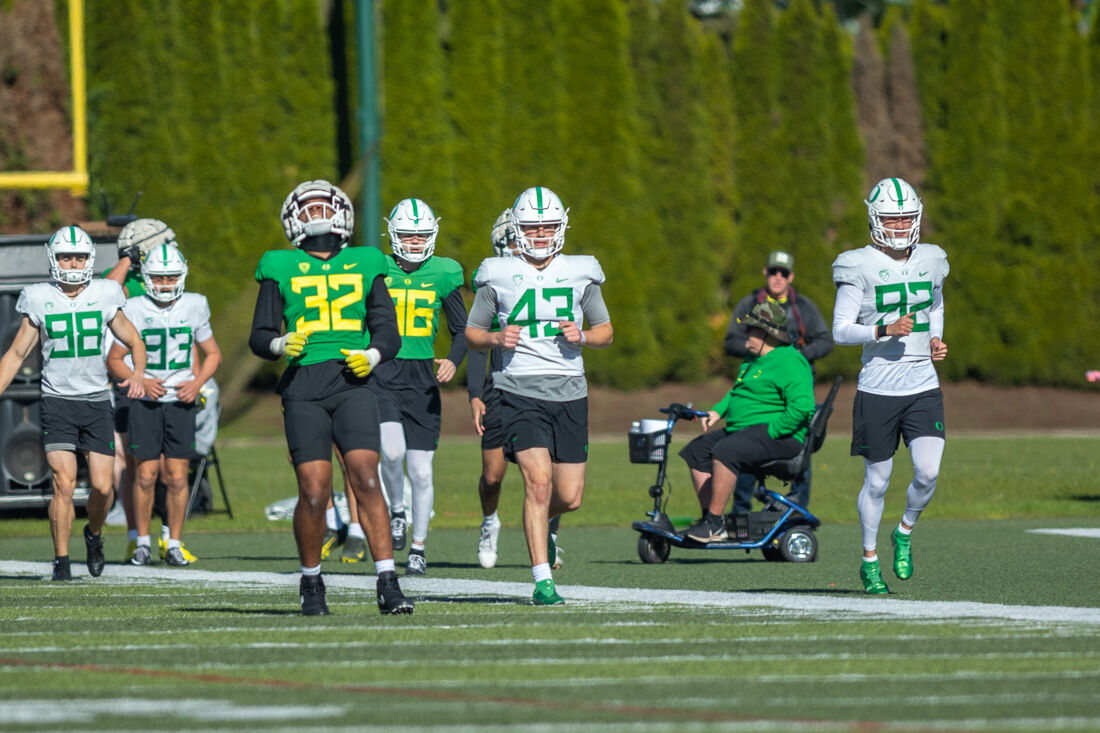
418	298
327	298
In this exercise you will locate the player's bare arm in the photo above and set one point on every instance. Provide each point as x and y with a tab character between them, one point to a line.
596	337
21	346
188	391
129	337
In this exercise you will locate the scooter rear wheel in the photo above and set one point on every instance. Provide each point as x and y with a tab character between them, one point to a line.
798	545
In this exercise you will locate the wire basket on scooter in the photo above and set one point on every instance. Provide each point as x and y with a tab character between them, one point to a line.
646	444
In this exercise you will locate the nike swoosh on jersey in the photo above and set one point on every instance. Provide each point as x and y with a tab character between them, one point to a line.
91	302
562	279
426	285
348	267
923	273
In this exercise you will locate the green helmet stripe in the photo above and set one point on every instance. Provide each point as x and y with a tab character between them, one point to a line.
416	213
538	200
72	234
897	189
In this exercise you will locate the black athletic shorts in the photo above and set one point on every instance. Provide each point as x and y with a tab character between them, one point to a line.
560	427
72	425
879	420
418	409
122	409
348	418
157	428
492	436
740	451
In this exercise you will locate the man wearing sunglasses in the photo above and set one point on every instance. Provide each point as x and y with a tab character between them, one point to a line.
808	332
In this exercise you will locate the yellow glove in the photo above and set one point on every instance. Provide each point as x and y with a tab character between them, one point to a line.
361	361
291	344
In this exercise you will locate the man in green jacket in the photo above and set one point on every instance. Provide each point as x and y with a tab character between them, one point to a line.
767	415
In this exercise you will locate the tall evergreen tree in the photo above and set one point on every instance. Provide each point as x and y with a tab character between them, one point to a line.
603	186
417	139
535	105
722	118
757	159
969	160
684	199
803	140
846	153
475	64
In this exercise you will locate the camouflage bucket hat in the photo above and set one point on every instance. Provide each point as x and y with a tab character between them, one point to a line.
770	317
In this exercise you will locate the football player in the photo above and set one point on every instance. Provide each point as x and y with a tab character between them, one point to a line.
340	325
485	410
541	299
889	298
172	323
423	287
71	315
135	240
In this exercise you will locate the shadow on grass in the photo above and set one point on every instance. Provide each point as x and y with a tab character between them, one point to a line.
805	591
244	611
1083	497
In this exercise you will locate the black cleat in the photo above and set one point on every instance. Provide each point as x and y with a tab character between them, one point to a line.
312	595
61	570
399	528
94	543
390	597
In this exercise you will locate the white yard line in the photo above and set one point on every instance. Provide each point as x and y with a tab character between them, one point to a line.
425	588
1091	532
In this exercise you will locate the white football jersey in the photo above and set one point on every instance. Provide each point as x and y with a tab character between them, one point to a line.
170	333
538	300
890	289
72	332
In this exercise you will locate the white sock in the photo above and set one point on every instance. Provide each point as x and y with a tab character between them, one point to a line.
541	572
332	518
356	530
873	558
491	518
904	531
384	566
173	543
143	540
418	546
315	570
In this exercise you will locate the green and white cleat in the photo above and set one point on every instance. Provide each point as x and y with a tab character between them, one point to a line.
871	576
903	555
545	595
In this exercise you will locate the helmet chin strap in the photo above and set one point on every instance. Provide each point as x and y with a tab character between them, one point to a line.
327	242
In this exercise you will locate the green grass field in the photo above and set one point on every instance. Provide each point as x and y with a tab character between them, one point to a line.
998	630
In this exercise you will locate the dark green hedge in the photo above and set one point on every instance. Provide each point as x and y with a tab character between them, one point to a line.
684	152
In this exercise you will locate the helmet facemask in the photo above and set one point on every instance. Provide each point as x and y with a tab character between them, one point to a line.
412	218
536	207
893	198
71	240
164	261
315	209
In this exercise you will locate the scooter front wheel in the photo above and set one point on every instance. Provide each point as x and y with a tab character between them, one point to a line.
653	549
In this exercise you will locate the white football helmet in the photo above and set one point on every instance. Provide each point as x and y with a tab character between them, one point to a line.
893	197
145	234
535	206
71	240
317	207
504	241
412	217
164	261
